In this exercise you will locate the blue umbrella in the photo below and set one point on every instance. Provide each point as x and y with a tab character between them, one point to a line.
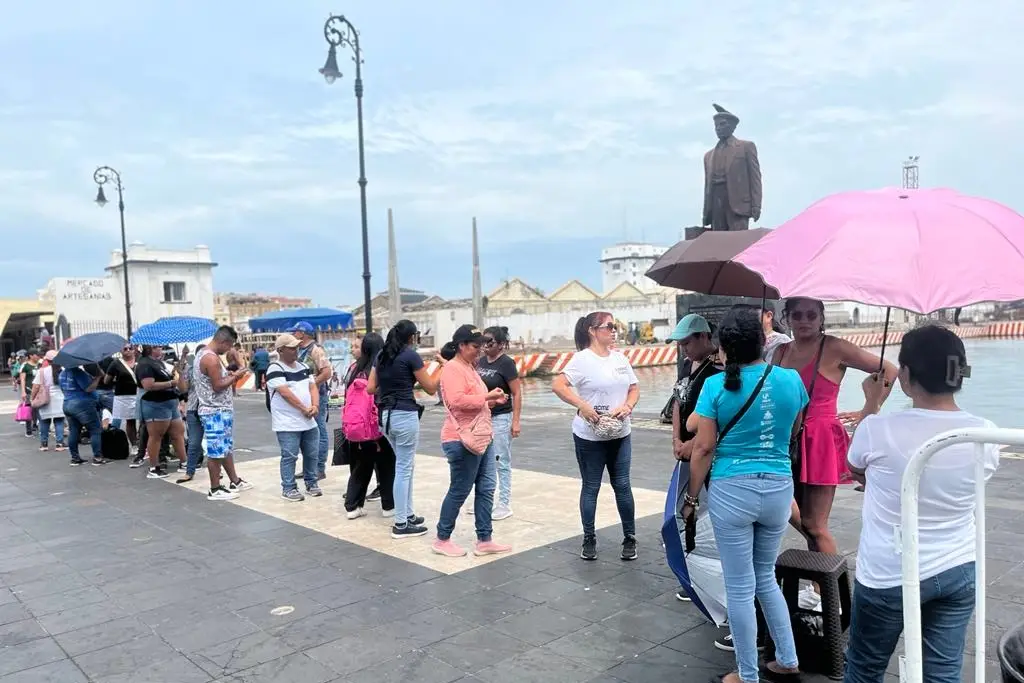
89	348
319	318
175	330
698	569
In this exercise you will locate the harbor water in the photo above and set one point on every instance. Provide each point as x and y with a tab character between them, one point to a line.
993	391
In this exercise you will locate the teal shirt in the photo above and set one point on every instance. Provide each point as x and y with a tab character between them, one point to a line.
759	442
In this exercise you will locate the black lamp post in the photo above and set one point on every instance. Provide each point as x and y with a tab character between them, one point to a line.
340	32
102	176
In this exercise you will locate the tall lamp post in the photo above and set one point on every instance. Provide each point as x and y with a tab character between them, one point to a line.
102	176
340	32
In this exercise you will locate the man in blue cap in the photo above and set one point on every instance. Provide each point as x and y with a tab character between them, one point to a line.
314	356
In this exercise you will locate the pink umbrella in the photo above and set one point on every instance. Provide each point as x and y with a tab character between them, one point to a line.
919	250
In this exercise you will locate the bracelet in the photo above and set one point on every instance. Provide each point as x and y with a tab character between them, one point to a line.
691	501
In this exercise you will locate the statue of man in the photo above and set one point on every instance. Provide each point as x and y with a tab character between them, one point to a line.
732	178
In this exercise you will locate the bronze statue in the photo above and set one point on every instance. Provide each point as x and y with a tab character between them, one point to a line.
732	178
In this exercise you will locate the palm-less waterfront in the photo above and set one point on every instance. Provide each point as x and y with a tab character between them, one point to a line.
993	391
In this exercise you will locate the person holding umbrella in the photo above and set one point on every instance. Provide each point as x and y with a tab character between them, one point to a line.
81	410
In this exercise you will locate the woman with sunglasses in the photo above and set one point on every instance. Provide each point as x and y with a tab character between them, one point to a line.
822	361
498	371
599	383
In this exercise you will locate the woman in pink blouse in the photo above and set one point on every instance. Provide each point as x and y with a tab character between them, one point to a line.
467	428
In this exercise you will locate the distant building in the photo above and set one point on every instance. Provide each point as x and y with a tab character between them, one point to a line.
627	263
162	282
235	309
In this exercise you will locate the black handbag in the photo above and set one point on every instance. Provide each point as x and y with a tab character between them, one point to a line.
341	455
796	443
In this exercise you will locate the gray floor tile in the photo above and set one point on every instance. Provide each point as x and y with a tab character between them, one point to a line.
447	589
415	666
427	627
354	653
639	585
598	647
28	655
13	611
494	574
241	653
63	671
591	604
661	664
80	616
124	657
539	588
317	629
280	611
477	649
343	592
174	669
48	604
488	606
19	632
539	625
385	608
536	666
293	668
103	635
211	630
588	573
654	623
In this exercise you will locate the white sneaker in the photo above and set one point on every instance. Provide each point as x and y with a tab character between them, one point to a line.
501	512
221	493
356	514
387	513
240	485
809	600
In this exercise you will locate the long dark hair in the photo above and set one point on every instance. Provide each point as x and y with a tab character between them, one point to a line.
741	336
499	335
793	301
369	348
935	359
398	338
581	335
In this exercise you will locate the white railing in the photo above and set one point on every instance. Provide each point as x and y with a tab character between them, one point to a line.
911	661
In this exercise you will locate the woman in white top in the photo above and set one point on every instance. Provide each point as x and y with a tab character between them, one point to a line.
932	367
53	410
599	382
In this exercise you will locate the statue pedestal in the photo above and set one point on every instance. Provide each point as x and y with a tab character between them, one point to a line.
713	307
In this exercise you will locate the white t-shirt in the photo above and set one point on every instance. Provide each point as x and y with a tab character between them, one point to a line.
601	381
284	417
882	446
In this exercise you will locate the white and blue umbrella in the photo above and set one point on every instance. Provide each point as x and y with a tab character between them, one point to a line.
175	330
695	561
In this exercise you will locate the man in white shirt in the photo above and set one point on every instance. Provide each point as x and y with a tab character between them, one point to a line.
294	400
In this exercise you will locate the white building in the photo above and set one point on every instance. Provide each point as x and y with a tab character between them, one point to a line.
627	263
162	282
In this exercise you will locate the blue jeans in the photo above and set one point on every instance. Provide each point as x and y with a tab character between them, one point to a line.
947	603
750	514
44	431
403	434
82	412
321	424
502	446
291	444
467	471
105	398
194	431
594	457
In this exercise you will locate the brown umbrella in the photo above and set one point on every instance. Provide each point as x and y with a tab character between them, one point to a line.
704	265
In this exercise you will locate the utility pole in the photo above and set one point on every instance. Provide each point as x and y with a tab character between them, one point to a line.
394	292
478	299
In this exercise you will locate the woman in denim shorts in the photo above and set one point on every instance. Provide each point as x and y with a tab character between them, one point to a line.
159	406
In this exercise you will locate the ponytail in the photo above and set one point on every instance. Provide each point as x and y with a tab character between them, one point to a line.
581	335
732	376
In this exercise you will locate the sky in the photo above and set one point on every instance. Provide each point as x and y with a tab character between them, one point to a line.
562	127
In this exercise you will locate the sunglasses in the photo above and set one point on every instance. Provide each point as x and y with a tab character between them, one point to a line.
487	341
607	326
809	316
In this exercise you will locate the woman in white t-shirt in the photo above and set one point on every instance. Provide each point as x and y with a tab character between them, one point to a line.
53	411
599	382
932	367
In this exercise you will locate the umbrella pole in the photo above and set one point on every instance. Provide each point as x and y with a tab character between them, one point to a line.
885	338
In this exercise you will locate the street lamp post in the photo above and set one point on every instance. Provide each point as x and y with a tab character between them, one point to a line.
102	176
340	32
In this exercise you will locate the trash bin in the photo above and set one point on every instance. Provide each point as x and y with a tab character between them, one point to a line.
1011	654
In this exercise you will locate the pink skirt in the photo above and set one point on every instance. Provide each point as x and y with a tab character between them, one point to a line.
823	456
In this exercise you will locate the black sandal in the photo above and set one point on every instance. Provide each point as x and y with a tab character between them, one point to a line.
184	480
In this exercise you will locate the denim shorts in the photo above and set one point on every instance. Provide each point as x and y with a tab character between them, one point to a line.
155	411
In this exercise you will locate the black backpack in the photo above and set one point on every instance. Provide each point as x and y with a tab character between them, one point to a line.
114	444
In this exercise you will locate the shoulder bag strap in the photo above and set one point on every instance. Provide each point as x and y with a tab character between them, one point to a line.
810	390
746	406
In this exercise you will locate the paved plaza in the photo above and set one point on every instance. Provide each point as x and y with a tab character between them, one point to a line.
107	577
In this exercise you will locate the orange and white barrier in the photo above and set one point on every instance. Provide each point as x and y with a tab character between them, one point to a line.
529	363
1007	330
869	340
560	361
651	356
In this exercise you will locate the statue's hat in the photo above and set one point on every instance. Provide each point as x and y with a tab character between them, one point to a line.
723	113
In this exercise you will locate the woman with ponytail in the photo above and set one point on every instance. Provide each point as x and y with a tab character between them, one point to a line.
599	383
744	419
397	371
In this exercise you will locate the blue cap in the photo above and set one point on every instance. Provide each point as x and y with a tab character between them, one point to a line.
303	327
690	325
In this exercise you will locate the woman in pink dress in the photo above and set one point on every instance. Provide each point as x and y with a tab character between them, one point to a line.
821	465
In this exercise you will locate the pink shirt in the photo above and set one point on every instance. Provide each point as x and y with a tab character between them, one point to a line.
464	393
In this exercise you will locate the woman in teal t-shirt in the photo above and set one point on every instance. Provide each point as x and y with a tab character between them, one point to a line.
751	484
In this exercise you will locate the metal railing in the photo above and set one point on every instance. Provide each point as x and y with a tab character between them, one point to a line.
911	663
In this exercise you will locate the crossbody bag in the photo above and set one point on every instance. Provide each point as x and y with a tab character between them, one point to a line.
746	406
475	436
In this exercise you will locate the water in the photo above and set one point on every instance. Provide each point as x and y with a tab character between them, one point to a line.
993	391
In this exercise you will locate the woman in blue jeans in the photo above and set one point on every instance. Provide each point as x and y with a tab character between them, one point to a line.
744	420
393	378
932	367
81	410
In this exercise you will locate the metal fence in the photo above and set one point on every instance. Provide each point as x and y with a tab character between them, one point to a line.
911	664
79	327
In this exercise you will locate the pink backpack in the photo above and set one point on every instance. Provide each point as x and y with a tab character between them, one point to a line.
359	420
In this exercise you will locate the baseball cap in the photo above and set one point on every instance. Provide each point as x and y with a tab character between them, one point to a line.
467	334
690	325
286	341
50	355
302	327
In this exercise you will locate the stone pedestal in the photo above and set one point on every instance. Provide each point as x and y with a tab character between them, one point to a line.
713	308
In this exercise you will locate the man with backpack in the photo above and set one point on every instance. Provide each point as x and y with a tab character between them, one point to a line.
293	399
313	356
